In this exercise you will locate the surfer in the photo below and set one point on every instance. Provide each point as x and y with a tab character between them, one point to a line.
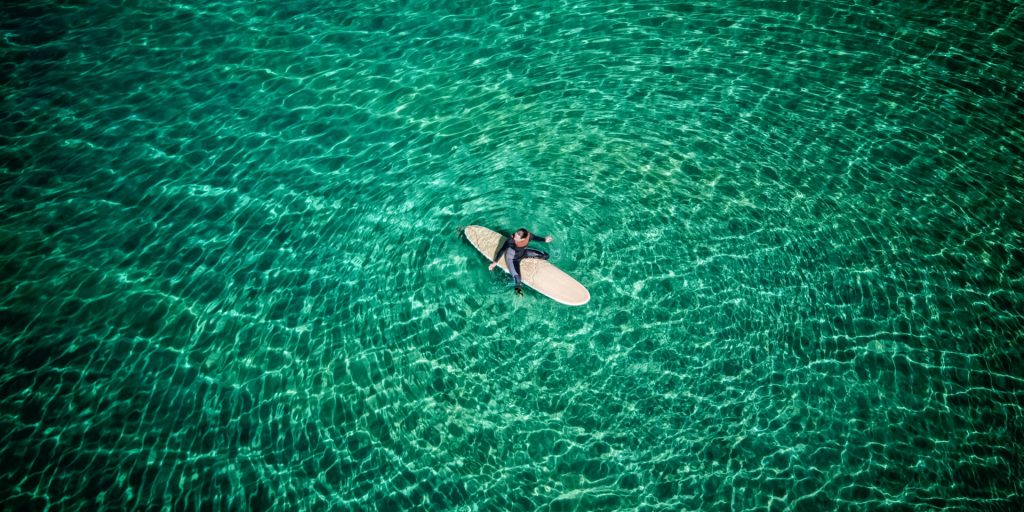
515	249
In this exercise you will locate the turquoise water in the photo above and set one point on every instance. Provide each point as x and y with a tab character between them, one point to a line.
233	275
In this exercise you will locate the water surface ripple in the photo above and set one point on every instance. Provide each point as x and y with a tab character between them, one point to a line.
233	275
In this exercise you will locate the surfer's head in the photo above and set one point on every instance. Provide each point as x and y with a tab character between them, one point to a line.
520	234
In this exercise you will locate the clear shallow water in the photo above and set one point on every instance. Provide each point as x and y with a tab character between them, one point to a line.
233	277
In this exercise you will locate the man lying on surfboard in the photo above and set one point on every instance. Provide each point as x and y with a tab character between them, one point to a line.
515	249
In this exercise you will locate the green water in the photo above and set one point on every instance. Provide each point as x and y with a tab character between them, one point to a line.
233	275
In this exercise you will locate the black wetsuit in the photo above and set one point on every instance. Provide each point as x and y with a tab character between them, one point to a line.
513	255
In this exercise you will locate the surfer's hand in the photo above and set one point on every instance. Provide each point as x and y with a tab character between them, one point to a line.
491	266
548	239
519	290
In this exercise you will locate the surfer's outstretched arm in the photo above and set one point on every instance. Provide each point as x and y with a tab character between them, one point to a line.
540	238
505	247
501	252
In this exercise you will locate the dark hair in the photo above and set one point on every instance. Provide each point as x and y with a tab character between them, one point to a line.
522	232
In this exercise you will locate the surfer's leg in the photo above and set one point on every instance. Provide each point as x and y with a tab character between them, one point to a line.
513	265
534	253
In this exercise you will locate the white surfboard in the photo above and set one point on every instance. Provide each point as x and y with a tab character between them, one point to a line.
538	274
